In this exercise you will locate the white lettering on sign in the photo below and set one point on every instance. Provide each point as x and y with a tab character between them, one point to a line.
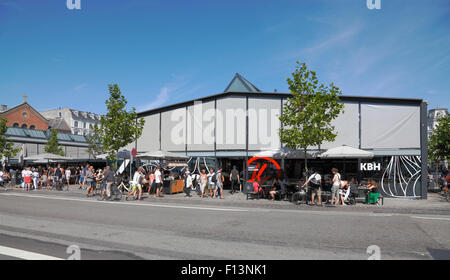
370	166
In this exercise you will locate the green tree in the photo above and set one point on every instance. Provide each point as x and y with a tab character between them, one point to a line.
307	115
7	149
52	146
439	142
95	142
118	127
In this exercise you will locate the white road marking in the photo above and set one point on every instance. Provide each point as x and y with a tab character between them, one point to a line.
431	218
25	255
128	203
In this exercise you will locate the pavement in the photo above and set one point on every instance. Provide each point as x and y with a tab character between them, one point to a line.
58	223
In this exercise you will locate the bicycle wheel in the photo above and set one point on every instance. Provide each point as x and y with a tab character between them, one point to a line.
118	195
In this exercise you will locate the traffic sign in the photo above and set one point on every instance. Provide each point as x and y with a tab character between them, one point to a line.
134	152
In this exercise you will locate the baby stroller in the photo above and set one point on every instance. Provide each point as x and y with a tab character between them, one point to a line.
351	195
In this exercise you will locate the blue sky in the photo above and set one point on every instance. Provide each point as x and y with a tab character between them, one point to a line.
163	52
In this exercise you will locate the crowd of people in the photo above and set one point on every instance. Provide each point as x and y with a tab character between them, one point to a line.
206	183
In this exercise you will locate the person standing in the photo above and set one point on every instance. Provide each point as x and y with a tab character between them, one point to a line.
24	186
212	179
27	179
234	178
109	178
336	186
203	181
219	183
151	183
35	178
89	178
187	182
58	176
315	182
68	174
158	182
83	179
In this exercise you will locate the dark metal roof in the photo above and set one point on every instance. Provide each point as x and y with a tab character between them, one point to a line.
240	84
41	134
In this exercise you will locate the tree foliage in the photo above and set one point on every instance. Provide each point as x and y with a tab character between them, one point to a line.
52	146
439	142
119	127
95	142
7	149
307	115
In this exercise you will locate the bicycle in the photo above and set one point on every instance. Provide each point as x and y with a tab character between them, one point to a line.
116	194
124	186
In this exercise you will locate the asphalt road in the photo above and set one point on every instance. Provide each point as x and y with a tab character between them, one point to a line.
49	224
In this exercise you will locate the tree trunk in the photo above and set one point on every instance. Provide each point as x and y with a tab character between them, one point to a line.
306	162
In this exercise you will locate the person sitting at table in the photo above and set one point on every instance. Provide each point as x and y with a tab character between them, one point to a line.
257	188
372	191
276	188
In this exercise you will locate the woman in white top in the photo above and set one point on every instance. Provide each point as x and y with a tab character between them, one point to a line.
68	173
27	179
203	180
336	186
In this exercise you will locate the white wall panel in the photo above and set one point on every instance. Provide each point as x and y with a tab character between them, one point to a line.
149	140
231	123
264	123
200	127
390	126
173	130
347	127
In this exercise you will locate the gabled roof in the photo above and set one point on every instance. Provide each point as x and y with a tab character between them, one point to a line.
24	104
240	84
59	124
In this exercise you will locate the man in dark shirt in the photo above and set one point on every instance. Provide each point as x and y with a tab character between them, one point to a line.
234	178
109	178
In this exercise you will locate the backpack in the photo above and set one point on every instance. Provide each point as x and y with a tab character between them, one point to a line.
214	179
314	182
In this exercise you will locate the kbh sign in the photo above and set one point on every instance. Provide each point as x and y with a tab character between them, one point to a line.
370	166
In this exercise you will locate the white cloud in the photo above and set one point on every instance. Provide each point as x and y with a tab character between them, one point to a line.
160	100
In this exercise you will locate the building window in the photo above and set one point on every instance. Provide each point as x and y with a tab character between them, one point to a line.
84	125
32	127
16	125
59	114
25	115
24	126
76	124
